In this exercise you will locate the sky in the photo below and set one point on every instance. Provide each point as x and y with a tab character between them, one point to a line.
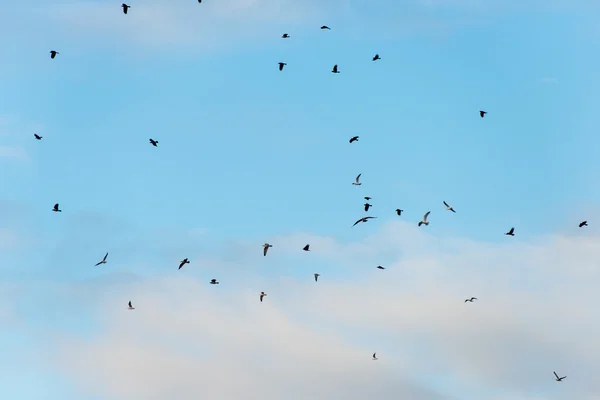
248	154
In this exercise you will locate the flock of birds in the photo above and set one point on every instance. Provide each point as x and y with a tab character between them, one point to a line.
357	182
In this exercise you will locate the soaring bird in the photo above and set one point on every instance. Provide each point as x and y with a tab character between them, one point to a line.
376	57
335	69
511	232
55	209
357	182
557	378
53	53
367	206
448	207
183	262
285	36
325	27
130	306
153	142
375	357
38	137
262	294
471	299
425	222
363	219
103	260
306	248
266	248
281	65
317	277
399	211
125	8
214	282
380	267
583	223
354	139
482	113
367	198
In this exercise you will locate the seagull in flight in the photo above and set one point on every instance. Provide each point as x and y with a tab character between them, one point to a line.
317	277
130	306
103	260
183	262
262	294
354	139
357	182
53	53
325	27
425	222
375	357
214	282
363	219
306	248
281	65
55	209
557	378
380	267
399	211
511	232
471	299
266	248
38	137
335	69
285	36
482	113
582	224
153	142
367	206
125	8
448	207
376	57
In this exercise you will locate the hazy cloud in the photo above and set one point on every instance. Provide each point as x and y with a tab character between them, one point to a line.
14	153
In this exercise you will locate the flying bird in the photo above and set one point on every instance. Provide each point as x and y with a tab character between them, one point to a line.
511	232
367	198
103	260
363	219
335	69
53	53
266	248
38	137
55	209
354	139
153	142
399	211
325	27
281	65
424	222
182	263
448	207
317	277
482	113
376	57
285	36
582	224
380	267
130	306
125	8
357	182
557	378
375	357
262	294
367	206
471	299
214	282
306	248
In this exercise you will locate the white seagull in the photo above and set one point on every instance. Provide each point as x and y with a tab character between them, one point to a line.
103	260
425	222
130	306
357	183
374	357
448	207
557	378
266	248
262	294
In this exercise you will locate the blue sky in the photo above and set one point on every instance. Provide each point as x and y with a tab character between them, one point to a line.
248	154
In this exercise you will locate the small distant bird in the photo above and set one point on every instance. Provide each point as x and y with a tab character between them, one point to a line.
425	222
375	357
335	69
482	113
103	260
471	299
380	267
38	137
281	65
448	207
325	27
199	1
511	232
557	378
285	36
306	248
317	277
53	53
354	139
125	8
363	219
399	211
153	142
55	209
262	294
367	206
376	57
367	198
582	224
357	182
182	263
130	306
266	248
214	282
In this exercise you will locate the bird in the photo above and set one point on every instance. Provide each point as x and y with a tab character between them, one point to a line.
262	294
317	277
357	182
38	137
448	207
55	209
399	211
367	198
367	205
375	357
281	65
363	219
557	378
130	306
153	142
511	232
306	248
285	36
199	1
214	282
354	139
335	69
183	262
380	267
53	53
582	224
103	260
482	113
471	299
325	27
376	57
125	8
424	222
266	248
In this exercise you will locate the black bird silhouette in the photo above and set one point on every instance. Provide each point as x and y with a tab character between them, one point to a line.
471	299
376	57
368	198
557	378
214	282
380	267
281	65
38	137
55	209
325	27
183	262
285	36
511	232
354	139
125	8
317	277
306	248
482	113
262	294
335	69
53	53
367	206
103	261
363	219
153	142
199	1
399	211
582	224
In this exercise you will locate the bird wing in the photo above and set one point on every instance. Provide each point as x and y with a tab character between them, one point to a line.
106	255
425	216
56	206
97	264
512	230
266	248
555	374
130	304
446	204
360	220
358	177
374	355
